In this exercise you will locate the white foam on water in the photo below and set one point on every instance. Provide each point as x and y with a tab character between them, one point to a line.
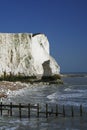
71	95
64	96
52	96
75	90
8	128
67	89
13	128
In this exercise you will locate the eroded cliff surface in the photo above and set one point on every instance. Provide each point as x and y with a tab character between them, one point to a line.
26	54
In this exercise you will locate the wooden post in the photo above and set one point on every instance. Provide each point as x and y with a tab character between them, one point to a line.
1	108
37	110
72	111
56	110
11	109
63	110
46	110
20	110
28	110
80	110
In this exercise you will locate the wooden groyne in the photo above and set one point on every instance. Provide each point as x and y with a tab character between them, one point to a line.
28	110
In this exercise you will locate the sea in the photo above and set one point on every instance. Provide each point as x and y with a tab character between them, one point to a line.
73	92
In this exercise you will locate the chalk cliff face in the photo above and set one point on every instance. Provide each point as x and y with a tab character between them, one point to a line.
26	55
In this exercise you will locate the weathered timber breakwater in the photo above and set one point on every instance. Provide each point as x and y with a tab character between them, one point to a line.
71	95
29	110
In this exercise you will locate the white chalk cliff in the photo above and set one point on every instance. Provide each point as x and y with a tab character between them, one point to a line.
26	54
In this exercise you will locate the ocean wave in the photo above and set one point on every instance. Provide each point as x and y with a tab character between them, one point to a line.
75	90
64	96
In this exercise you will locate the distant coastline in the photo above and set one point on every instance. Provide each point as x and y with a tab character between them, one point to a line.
74	74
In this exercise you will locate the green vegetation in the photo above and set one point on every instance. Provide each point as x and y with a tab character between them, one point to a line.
51	78
15	78
55	79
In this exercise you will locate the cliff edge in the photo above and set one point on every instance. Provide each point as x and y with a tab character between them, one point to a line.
26	55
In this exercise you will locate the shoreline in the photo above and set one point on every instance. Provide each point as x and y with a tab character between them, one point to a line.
6	87
74	75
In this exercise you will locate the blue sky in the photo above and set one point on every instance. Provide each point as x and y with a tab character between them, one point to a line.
63	21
